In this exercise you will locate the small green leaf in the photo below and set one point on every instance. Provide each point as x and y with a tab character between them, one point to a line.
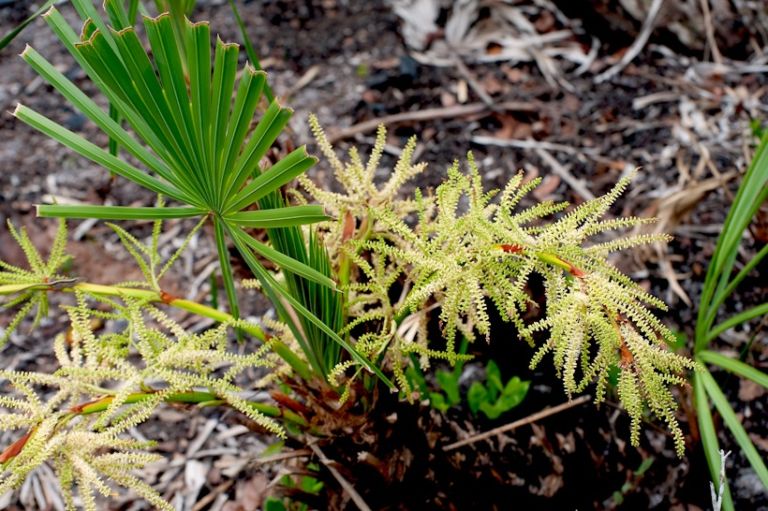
476	395
493	377
274	504
514	392
449	383
438	402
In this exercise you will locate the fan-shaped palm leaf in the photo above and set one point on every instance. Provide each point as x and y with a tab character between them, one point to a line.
194	142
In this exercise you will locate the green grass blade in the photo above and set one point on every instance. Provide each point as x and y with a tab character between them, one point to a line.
285	262
744	272
249	49
751	192
10	36
734	424
735	366
279	217
754	312
282	172
709	437
117	212
94	153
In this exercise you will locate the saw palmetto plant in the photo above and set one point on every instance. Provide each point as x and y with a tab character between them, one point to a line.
361	276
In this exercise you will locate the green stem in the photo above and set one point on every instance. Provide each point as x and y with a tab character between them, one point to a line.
199	309
191	398
297	364
151	296
225	265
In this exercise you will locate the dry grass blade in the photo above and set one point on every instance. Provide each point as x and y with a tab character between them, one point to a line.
637	45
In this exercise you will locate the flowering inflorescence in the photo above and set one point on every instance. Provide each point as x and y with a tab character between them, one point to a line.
28	287
110	380
467	248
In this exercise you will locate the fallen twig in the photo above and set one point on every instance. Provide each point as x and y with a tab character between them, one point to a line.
637	45
282	456
346	485
431	114
531	144
577	184
473	83
218	490
302	82
514	425
717	57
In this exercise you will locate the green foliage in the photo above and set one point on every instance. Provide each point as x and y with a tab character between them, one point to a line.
28	288
495	398
719	284
465	247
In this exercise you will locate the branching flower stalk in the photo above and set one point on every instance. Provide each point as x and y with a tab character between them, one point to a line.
466	248
110	382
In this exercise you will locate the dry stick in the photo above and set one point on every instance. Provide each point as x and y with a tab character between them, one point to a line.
710	30
473	83
577	184
522	422
305	80
532	144
298	453
223	487
431	114
637	46
356	498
